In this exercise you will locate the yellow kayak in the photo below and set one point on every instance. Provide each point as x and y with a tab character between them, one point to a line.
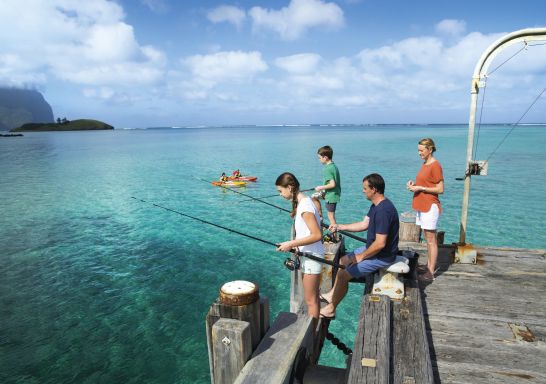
230	184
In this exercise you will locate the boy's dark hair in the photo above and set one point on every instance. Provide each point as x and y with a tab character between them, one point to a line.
326	151
376	182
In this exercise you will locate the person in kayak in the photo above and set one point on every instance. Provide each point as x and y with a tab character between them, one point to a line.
224	177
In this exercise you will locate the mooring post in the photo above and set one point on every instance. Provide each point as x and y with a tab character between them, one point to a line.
235	324
409	230
231	349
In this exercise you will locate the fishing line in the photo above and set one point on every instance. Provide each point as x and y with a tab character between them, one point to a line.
244	194
475	148
284	209
299	253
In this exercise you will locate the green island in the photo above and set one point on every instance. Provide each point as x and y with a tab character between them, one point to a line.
64	125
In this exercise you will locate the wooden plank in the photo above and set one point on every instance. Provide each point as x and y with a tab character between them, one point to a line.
469	309
232	347
458	340
411	356
370	362
272	361
476	372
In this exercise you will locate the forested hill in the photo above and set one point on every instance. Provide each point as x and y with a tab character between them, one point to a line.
20	106
65	125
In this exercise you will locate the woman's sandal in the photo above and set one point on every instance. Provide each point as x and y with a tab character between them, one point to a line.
422	268
426	277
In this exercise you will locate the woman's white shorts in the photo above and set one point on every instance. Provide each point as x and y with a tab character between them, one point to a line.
428	220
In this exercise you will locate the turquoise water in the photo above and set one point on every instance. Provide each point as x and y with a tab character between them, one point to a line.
97	287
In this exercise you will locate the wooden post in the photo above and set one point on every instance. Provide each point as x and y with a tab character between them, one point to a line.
332	252
238	300
409	231
231	349
297	304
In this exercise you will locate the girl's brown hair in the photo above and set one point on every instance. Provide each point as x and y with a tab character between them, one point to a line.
287	179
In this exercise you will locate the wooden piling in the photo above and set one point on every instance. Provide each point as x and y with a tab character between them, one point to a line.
231	349
409	232
250	311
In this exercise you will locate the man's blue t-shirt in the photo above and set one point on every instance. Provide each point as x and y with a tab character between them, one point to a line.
384	220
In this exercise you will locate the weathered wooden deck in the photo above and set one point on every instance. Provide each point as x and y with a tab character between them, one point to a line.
483	323
486	323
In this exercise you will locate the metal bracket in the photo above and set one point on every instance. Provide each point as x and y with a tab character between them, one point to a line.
478	167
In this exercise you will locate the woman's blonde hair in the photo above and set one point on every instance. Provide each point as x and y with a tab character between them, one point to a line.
429	143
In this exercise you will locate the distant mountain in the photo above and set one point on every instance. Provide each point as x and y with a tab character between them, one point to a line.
21	106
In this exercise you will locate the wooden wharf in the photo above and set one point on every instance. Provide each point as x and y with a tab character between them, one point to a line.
476	323
486	322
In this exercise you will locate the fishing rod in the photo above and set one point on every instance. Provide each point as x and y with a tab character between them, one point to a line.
285	210
299	253
244	194
275	195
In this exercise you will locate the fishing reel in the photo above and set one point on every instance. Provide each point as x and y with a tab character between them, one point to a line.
292	264
330	238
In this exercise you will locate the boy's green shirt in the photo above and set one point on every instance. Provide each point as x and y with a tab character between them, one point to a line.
330	172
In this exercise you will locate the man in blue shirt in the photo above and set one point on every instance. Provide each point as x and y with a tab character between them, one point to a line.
381	247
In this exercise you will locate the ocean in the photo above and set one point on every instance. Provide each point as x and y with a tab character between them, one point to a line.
98	287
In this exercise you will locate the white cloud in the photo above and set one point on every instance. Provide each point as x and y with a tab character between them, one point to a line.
221	66
222	76
425	73
299	64
406	55
300	15
84	43
227	13
451	27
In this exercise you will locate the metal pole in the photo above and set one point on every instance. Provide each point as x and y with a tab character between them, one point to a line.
523	35
469	147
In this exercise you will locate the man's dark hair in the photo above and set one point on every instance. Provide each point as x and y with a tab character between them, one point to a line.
376	182
326	151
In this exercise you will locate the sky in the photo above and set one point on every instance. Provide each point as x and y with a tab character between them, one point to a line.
150	63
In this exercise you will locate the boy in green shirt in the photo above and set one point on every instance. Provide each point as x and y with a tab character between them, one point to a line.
332	182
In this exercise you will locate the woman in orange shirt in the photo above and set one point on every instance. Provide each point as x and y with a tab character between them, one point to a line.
429	183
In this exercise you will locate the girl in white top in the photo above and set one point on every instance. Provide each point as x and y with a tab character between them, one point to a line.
308	238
